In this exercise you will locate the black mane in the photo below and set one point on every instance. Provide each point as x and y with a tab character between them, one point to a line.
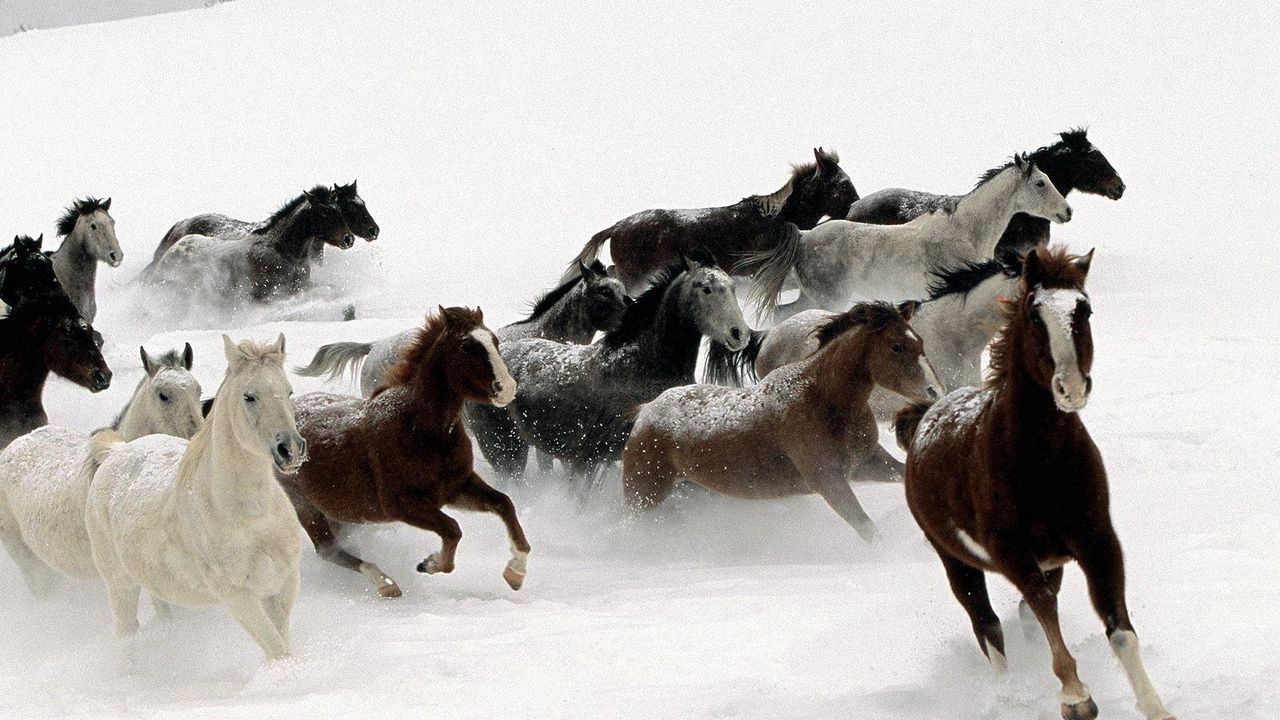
872	315
324	192
967	276
555	295
1074	140
639	315
87	205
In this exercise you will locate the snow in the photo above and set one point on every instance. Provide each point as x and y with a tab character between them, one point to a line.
491	141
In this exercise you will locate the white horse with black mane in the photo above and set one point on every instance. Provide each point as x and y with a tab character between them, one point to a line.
206	522
45	474
840	262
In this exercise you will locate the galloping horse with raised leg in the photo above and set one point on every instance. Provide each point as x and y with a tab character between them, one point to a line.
403	454
804	430
1005	479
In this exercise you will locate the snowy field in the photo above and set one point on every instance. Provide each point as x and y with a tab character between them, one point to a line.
490	141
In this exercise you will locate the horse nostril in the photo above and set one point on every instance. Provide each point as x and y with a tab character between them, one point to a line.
497	387
1088	384
735	333
932	392
282	450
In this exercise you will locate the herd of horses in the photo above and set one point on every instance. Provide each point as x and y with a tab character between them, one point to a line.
898	296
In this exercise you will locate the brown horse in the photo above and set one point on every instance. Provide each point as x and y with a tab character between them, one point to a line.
1006	479
800	431
403	454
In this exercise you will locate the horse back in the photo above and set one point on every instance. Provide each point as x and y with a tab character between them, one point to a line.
651	240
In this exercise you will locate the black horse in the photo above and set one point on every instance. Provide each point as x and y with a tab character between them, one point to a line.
1072	163
643	244
577	403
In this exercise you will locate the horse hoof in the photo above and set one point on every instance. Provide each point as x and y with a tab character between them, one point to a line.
514	577
1087	709
389	591
432	565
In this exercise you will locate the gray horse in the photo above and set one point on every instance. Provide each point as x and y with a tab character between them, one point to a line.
89	237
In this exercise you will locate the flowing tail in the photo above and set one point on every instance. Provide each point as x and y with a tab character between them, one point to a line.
729	367
334	359
589	253
772	268
101	444
906	422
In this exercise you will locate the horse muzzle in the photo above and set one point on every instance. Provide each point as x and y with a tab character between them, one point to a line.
502	393
115	258
1116	191
289	453
1064	215
99	380
347	241
371	234
1071	393
737	339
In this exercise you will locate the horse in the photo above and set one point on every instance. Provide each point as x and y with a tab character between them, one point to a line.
840	261
802	431
42	332
354	211
956	322
573	312
402	454
1072	163
45	474
1005	478
647	242
271	261
204	522
576	403
90	238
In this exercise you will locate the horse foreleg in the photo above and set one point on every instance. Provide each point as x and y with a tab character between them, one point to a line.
1030	626
1076	704
251	613
475	494
827	478
414	511
40	578
969	585
879	466
1103	566
279	606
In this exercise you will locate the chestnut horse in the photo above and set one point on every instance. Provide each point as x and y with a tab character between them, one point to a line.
1006	479
403	454
645	243
801	431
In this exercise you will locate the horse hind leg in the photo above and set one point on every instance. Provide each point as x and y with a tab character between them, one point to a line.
477	495
320	529
969	585
648	474
40	578
1076	703
1031	630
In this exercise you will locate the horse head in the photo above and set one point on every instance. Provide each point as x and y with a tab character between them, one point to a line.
88	224
355	212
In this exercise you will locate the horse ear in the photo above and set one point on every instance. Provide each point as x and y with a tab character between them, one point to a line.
231	350
353	187
583	270
279	346
479	316
1020	162
187	356
908	309
689	263
106	204
1031	269
148	364
1082	263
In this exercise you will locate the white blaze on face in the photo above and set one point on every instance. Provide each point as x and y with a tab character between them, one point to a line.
1057	309
506	384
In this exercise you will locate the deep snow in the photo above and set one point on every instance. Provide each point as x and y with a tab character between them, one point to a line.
491	141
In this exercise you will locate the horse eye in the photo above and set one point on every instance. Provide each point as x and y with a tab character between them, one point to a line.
1040	184
164	398
706	291
1085	311
898	347
250	398
93	226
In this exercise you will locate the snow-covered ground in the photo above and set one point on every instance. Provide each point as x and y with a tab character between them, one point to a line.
491	140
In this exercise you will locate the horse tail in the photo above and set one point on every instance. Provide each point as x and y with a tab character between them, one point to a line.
590	252
333	360
906	421
101	444
772	268
730	367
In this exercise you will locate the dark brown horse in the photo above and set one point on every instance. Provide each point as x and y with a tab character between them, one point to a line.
805	429
403	454
1006	479
645	243
41	331
1072	163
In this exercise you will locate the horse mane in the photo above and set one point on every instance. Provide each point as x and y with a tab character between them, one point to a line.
640	315
415	353
83	206
871	315
967	276
170	360
773	203
553	296
1057	270
1074	139
323	191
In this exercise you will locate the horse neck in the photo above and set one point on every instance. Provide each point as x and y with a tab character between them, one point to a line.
1060	168
76	269
435	403
134	421
801	209
292	235
839	372
670	345
222	470
985	212
566	321
23	373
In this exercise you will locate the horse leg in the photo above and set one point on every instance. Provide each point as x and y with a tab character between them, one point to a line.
320	529
546	463
969	585
163	610
1030	626
279	606
648	475
418	512
1103	566
826	477
477	495
40	578
1035	588
122	590
879	466
251	613
499	440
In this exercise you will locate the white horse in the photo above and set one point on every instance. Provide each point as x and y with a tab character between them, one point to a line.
205	522
45	474
840	262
